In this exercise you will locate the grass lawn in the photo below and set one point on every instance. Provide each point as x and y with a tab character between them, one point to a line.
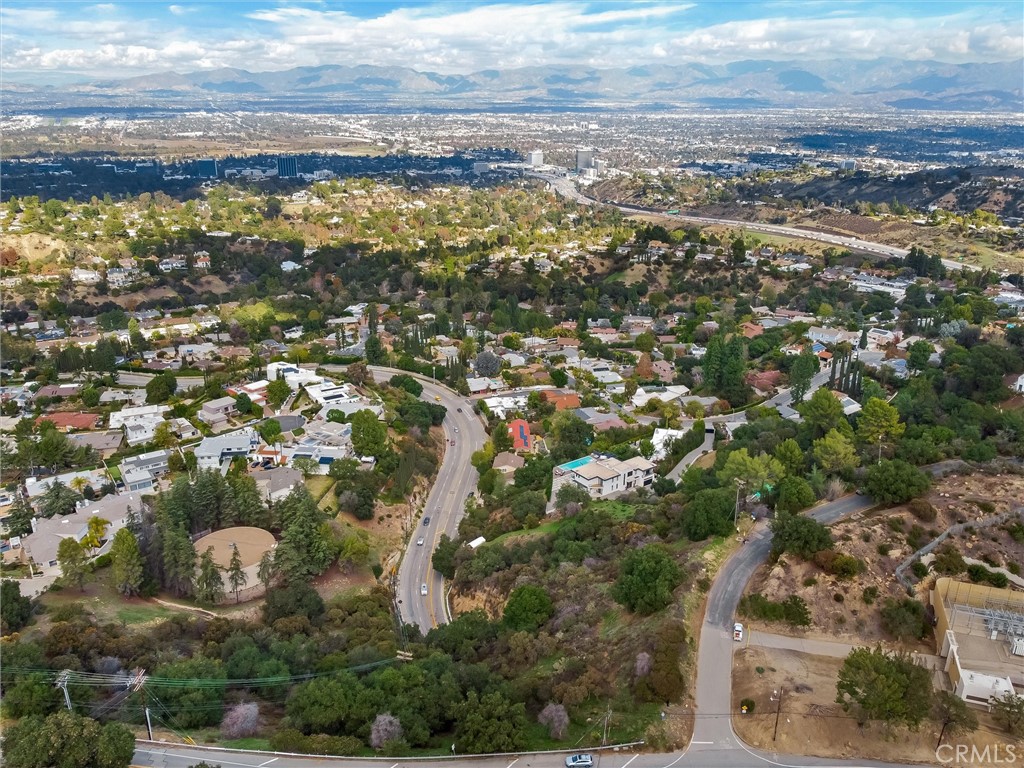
142	614
319	485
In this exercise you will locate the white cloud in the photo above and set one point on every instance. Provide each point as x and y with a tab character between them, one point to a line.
450	38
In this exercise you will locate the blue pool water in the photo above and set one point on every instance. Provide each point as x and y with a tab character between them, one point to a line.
577	463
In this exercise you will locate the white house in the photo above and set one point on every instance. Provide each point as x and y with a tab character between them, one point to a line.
139	423
1018	386
217	452
293	376
604	476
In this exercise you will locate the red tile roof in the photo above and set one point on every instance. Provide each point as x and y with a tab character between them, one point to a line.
66	420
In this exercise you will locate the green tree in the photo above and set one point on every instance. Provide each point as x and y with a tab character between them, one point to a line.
270	431
645	342
58	500
126	563
890	688
209	582
73	561
1008	711
19	517
801	536
753	472
528	608
822	411
954	715
324	705
443	558
15	609
904	619
834	453
794	494
918	354
369	434
878	423
236	574
277	392
200	704
896	482
96	531
179	560
710	513
161	388
572	436
490	723
243	403
375	352
791	456
801	374
163	435
32	695
90	396
647	578
306	549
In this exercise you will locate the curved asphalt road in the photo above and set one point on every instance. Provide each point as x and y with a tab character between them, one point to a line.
446	503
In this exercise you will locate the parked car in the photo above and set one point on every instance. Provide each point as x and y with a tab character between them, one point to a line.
423	589
737	632
579	761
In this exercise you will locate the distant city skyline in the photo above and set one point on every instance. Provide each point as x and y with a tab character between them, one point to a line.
50	42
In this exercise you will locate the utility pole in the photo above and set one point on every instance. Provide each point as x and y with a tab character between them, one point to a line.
604	737
62	684
778	710
736	509
149	725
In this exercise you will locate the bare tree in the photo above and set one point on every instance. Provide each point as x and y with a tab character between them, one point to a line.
642	665
386	728
241	721
556	719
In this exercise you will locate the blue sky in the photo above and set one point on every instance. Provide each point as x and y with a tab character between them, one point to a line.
57	40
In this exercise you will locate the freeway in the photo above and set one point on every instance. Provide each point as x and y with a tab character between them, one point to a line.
456	479
566	188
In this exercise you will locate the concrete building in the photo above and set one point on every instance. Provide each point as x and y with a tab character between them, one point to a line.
584	158
217	412
535	157
604	476
287	167
979	631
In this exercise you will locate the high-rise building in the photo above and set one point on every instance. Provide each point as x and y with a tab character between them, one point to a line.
206	168
535	157
584	158
287	167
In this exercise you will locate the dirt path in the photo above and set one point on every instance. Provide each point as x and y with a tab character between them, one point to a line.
190	608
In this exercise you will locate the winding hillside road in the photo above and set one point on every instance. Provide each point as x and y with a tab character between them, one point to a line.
446	503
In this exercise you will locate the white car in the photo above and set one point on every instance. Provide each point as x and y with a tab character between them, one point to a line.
423	589
737	632
419	542
579	761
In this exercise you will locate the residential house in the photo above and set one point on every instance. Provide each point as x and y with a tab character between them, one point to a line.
183	429
604	476
522	440
85	276
764	381
277	482
47	533
664	370
132	396
506	463
880	337
139	423
561	400
141	473
1018	385
751	330
67	421
217	452
204	351
293	375
217	412
176	263
106	444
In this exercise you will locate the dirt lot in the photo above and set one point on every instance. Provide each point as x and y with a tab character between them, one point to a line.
956	498
811	723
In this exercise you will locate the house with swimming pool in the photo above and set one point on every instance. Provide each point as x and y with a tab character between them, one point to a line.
604	476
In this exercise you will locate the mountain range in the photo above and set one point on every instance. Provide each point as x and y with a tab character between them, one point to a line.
877	83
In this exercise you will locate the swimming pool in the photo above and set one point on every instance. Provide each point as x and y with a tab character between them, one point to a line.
576	464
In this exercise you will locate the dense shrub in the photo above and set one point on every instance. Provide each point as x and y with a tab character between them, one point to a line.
922	510
793	610
903	619
839	565
979	574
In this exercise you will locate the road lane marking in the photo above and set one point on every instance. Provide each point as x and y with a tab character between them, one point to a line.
634	757
512	763
702	742
192	757
271	760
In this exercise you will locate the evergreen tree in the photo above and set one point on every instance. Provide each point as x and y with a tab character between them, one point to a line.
126	563
236	575
73	561
209	583
179	561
